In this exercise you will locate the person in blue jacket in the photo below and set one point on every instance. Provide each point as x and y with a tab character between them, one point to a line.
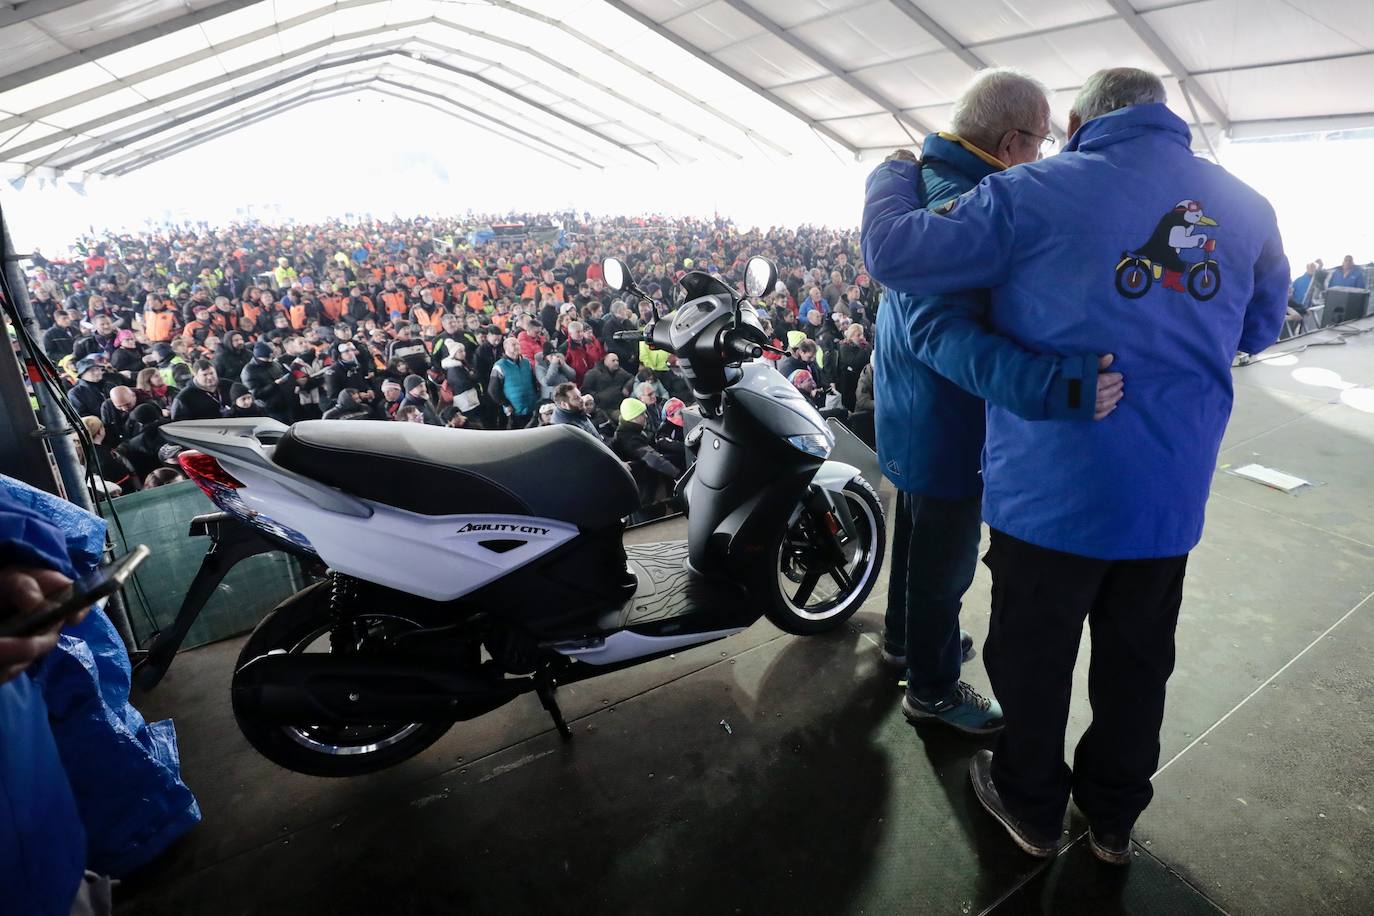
1094	521
42	842
934	362
1300	290
1347	275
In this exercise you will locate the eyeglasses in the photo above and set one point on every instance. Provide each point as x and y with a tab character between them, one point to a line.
1045	142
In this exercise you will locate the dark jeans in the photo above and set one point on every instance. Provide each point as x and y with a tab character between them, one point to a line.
934	557
1040	599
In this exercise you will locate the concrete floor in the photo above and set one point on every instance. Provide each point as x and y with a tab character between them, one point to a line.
818	797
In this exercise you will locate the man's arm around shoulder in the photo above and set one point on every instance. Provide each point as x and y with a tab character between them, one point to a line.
966	243
951	336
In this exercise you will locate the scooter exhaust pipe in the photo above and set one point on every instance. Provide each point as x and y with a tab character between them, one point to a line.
365	690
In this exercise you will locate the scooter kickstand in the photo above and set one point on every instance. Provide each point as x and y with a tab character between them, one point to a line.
545	688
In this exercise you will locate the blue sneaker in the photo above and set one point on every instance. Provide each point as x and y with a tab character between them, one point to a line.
965	709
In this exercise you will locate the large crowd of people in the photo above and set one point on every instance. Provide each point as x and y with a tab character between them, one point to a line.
428	321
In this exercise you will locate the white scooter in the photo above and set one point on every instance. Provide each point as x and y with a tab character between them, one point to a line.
460	569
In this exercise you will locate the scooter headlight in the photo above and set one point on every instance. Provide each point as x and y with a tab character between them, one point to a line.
817	444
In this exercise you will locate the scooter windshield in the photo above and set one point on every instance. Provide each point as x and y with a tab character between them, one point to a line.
698	283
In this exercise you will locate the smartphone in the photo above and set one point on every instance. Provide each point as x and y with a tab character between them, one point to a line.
85	591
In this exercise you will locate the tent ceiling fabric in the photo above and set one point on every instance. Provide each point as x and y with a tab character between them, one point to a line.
108	87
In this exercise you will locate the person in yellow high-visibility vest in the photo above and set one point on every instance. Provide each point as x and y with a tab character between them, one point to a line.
657	360
285	274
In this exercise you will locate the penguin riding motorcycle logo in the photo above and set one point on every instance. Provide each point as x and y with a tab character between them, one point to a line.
1161	257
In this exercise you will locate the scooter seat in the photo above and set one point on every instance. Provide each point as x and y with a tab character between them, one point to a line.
557	472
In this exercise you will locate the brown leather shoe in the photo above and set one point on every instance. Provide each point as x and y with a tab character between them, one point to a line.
1112	848
1033	842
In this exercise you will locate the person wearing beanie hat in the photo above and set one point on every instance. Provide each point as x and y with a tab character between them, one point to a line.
672	411
272	385
241	402
671	441
635	445
801	355
632	409
417	396
392	396
354	368
801	380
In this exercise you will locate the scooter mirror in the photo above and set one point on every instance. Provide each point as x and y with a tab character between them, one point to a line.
616	273
759	277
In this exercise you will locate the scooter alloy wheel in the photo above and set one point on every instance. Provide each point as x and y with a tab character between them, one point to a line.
803	593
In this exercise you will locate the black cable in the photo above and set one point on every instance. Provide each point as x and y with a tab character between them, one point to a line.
1341	332
49	378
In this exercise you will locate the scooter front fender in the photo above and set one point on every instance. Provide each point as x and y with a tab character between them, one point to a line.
834	475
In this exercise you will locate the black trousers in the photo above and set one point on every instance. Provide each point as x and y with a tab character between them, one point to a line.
1040	599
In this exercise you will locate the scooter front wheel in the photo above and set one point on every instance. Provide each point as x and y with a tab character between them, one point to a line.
803	590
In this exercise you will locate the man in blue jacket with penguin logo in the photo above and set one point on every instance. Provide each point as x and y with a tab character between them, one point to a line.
935	361
1091	521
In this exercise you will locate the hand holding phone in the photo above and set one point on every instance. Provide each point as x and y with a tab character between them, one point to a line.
35	601
23	590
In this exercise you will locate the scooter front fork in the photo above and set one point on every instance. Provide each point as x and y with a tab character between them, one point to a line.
833	524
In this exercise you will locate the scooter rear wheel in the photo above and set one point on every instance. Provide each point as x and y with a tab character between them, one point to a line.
301	624
806	597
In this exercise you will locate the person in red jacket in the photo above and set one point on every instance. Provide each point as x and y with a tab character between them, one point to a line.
581	350
532	339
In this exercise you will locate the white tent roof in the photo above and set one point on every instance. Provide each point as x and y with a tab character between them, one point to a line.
108	87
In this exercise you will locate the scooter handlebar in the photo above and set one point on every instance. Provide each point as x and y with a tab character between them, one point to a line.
735	345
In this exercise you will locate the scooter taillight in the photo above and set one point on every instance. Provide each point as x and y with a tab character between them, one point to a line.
207	473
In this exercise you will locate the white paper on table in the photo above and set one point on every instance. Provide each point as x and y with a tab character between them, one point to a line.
1270	477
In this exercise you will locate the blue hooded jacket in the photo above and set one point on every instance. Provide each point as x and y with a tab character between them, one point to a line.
935	360
1126	243
42	841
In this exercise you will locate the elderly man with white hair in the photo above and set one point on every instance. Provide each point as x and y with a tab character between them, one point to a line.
1126	243
929	393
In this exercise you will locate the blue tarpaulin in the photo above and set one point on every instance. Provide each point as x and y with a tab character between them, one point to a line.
124	772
